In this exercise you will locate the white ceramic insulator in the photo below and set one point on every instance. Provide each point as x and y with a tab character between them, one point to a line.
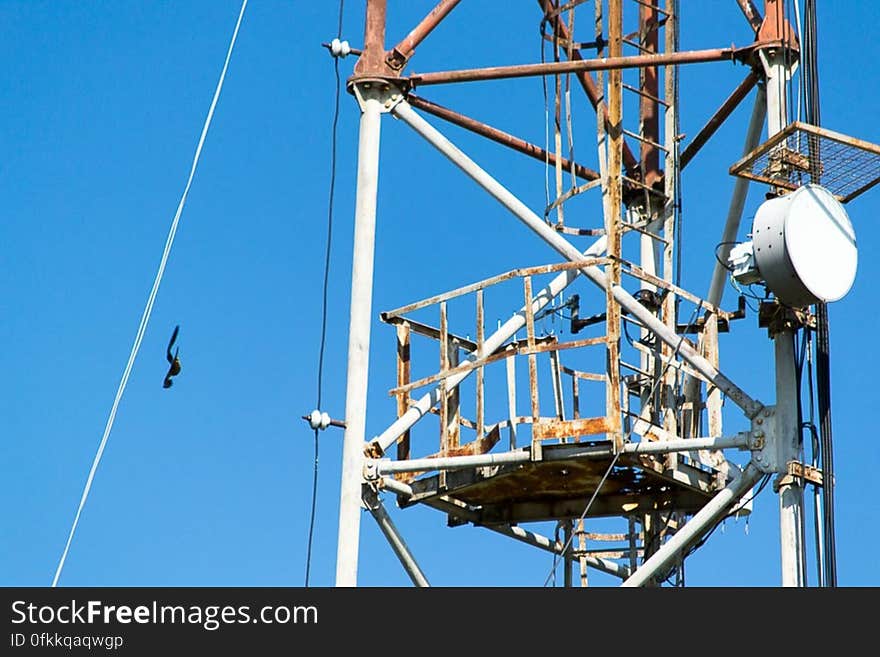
340	48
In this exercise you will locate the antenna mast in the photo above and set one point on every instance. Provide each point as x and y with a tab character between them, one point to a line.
626	421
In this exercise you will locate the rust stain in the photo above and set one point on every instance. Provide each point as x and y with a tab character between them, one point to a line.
568	428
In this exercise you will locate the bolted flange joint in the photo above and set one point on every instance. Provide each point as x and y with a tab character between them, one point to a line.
387	94
761	440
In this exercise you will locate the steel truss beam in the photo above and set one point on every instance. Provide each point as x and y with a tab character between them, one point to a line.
408	115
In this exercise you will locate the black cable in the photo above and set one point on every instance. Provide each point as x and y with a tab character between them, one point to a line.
812	115
718	258
320	382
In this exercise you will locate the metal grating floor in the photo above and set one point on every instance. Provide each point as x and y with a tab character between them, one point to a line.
804	153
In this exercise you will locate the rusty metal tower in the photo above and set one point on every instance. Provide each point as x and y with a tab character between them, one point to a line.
623	418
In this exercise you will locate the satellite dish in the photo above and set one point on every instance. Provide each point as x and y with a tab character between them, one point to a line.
805	247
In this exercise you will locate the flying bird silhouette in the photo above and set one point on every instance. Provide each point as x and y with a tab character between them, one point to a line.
174	361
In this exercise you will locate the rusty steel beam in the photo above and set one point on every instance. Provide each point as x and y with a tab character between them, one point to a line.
718	118
612	224
564	428
594	94
499	136
558	68
750	11
372	63
400	54
649	110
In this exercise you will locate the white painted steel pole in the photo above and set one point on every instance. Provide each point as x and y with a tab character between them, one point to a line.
740	441
452	462
405	112
692	530
787	433
389	529
506	331
358	344
791	495
737	202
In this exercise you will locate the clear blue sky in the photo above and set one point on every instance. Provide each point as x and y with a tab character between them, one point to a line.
208	483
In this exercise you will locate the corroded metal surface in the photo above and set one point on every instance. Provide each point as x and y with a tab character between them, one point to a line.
560	489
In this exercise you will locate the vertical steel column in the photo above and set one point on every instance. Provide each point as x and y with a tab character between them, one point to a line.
778	71
670	189
614	129
791	493
649	155
358	340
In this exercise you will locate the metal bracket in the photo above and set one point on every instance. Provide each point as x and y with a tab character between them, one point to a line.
383	91
797	473
371	470
760	440
370	496
776	318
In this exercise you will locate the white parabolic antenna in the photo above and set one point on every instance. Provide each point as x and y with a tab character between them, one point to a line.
805	247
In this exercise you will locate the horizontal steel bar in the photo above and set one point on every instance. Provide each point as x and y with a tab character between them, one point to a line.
740	441
498	278
543	345
575	66
560	453
451	462
398	487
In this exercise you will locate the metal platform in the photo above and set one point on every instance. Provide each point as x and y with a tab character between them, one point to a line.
803	153
558	487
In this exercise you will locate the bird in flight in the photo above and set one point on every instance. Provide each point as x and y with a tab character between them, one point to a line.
173	360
